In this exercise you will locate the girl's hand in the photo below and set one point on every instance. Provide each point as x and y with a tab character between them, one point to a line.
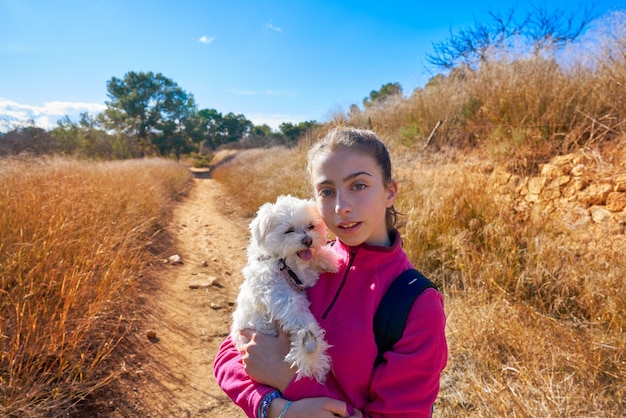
312	408
263	358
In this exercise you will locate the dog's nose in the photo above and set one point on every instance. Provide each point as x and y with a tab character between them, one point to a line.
307	241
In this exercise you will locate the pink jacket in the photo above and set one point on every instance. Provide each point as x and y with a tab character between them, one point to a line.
344	303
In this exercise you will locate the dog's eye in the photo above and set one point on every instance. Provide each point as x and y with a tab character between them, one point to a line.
311	227
289	231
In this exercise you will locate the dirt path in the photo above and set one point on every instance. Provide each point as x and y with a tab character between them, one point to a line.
190	314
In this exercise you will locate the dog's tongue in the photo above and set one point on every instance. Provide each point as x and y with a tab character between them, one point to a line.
305	255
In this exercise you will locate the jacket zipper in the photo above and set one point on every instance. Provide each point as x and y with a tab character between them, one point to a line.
343	282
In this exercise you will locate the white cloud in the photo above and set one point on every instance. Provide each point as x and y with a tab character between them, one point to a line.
13	114
46	116
206	39
275	93
272	27
245	92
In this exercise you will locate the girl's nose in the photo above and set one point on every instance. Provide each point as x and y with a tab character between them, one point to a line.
343	205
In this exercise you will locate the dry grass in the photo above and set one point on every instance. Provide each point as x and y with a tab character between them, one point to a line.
74	239
256	176
536	308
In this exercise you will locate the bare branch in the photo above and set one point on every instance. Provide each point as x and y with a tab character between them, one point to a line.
539	29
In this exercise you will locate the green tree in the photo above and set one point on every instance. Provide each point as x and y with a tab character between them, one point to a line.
207	127
380	97
293	132
87	138
261	130
214	129
151	108
68	136
234	128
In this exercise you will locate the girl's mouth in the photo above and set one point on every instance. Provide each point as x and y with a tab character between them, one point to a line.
348	226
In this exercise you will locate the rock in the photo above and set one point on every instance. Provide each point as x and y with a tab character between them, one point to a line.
175	259
195	286
151	335
205	263
215	306
620	182
498	177
551	171
578	170
535	185
576	217
616	202
564	162
206	283
596	194
599	214
552	190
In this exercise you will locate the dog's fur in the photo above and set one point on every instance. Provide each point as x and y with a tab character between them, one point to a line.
290	230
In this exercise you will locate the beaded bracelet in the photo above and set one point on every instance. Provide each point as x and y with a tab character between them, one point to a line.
266	401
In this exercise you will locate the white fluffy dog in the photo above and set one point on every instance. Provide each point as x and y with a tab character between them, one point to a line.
286	254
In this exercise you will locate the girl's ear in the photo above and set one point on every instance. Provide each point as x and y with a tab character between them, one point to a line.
392	193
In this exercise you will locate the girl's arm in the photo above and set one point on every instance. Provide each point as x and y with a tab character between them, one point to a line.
406	384
262	358
231	377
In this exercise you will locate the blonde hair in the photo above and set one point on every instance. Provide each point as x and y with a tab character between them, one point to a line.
362	141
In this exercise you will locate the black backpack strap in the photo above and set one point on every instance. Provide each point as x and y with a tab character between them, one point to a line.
394	308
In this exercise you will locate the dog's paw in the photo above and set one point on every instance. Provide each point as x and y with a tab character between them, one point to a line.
309	342
308	354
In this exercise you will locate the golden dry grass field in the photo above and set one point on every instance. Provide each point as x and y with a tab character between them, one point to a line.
531	268
75	242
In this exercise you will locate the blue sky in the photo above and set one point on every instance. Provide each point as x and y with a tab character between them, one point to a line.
273	61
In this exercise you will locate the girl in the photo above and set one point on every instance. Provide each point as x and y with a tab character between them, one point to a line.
350	171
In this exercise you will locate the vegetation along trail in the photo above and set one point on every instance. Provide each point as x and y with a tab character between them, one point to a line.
187	314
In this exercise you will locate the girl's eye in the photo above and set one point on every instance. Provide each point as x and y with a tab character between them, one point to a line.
290	230
359	186
325	192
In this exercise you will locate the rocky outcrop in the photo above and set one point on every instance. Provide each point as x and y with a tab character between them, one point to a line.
582	190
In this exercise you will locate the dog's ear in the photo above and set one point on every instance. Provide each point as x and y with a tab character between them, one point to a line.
260	225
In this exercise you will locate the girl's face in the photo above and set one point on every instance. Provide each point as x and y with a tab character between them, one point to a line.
351	196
